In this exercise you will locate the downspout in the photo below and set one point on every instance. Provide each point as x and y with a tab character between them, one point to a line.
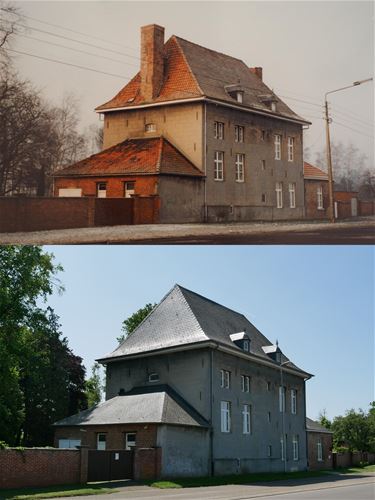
205	163
211	413
306	437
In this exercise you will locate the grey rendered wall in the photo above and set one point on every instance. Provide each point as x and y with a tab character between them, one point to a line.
185	451
237	452
182	199
231	200
187	372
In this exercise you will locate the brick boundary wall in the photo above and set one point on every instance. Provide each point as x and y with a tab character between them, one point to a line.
42	467
349	459
147	463
38	214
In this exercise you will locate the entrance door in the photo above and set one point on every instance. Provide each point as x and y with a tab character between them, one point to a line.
109	465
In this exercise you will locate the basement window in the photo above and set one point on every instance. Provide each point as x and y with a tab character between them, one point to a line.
150	127
153	377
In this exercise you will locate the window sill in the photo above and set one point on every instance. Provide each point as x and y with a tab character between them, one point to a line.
240	182
219	180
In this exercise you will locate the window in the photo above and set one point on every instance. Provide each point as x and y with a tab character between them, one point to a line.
245	383
263	164
279	194
153	377
246	345
273	106
246	425
101	440
290	148
320	450
130	440
150	127
264	197
240	97
238	133
277	147
129	189
101	189
219	130
269	451
293	401
263	135
224	379
225	416
69	443
282	448
281	399
269	417
219	166
319	193
268	386
240	160
292	195
295	448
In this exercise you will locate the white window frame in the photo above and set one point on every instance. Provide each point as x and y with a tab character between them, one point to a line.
279	195
240	97
282	392
153	377
293	401
150	127
101	193
219	166
128	445
239	133
246	345
240	167
295	447
225	411
100	444
246	419
290	148
319	194
282	449
129	192
245	383
219	130
225	379
292	195
319	450
277	147
69	443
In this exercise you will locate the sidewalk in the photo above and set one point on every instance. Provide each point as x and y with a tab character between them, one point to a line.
134	234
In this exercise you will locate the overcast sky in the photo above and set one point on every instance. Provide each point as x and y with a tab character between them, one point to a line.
305	49
317	301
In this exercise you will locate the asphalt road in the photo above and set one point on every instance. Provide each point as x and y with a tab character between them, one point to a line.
332	487
337	235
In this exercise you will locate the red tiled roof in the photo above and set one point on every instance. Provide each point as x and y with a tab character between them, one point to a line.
194	71
145	156
311	172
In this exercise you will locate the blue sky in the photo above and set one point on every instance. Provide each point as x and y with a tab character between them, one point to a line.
317	301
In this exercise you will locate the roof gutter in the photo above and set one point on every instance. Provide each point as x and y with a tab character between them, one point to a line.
209	100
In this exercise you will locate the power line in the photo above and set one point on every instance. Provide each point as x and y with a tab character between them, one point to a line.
77	41
66	64
354	130
74	31
76	50
368	124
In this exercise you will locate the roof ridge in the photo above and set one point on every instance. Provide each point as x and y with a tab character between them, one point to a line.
186	62
178	287
210	50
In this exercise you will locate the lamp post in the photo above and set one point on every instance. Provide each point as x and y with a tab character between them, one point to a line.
283	407
328	145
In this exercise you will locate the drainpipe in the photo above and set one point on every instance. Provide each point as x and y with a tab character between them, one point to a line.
205	162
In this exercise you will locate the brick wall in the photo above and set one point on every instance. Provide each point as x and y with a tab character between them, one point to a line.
312	447
311	199
144	185
38	214
147	463
39	467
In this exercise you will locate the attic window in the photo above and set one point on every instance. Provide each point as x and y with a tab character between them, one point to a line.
273	106
150	127
240	97
235	91
241	340
153	377
269	100
131	99
246	345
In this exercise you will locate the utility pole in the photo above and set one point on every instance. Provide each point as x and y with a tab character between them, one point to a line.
328	146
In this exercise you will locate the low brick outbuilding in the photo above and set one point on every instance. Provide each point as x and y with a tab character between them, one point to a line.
319	445
316	192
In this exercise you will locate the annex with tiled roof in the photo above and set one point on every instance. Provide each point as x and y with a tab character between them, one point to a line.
314	173
144	156
192	71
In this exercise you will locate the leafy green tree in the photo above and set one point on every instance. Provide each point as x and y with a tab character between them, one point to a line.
131	323
352	431
323	420
94	386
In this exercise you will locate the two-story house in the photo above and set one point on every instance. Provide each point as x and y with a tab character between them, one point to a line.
201	130
199	382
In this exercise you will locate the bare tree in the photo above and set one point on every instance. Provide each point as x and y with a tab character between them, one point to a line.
9	18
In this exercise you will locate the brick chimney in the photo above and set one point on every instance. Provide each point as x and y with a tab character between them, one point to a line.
152	60
258	72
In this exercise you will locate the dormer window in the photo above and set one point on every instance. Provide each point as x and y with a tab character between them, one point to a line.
235	91
239	97
153	377
273	106
241	340
278	357
273	351
269	100
150	127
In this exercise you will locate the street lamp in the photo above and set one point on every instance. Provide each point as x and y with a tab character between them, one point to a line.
328	144
283	401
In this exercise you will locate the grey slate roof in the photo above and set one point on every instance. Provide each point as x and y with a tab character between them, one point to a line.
313	426
157	404
184	317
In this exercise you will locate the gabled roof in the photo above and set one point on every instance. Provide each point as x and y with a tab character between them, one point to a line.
142	156
143	405
313	426
193	71
185	318
314	173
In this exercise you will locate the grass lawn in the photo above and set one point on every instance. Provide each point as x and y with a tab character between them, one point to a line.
357	470
234	479
55	491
